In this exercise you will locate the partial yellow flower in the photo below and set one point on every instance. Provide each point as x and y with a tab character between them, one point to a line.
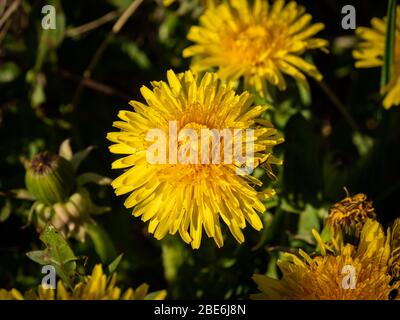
187	197
349	215
97	286
370	52
395	255
324	277
259	43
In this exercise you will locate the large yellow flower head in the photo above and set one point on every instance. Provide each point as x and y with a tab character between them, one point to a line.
193	194
340	272
96	286
370	52
259	43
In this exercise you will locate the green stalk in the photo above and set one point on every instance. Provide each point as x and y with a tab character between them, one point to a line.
389	57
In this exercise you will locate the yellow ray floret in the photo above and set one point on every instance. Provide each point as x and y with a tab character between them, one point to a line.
189	197
259	42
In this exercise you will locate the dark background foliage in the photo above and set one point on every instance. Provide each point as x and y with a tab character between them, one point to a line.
41	105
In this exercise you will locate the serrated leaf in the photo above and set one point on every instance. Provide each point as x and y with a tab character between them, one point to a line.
39	256
57	253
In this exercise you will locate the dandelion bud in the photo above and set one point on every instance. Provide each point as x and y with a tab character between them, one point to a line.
49	178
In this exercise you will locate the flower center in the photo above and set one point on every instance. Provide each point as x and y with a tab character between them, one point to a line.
258	43
190	136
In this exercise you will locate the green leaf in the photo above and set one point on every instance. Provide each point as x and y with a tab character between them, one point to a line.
114	265
326	234
167	29
57	253
50	39
38	95
136	54
305	95
9	71
173	257
390	45
309	219
283	112
39	256
5	211
102	242
363	143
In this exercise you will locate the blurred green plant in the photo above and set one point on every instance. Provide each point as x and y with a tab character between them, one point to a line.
62	199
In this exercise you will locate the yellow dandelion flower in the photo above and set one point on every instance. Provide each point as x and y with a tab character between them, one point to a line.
96	286
340	272
350	214
259	43
187	196
370	52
